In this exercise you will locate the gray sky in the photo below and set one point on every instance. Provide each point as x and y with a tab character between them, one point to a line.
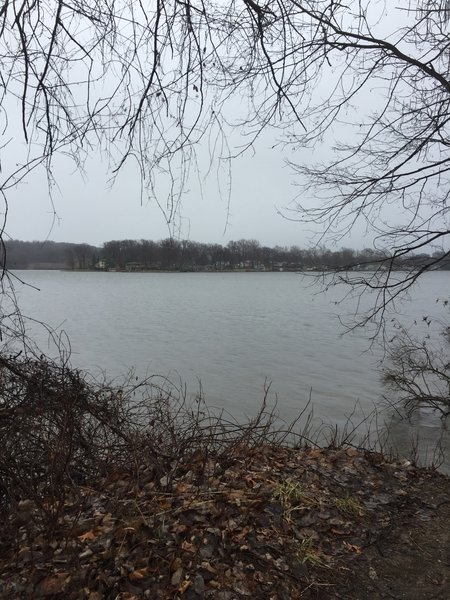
89	210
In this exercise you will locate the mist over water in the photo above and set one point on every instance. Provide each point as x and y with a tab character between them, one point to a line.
233	332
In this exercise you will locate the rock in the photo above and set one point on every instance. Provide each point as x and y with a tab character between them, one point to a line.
164	481
199	585
176	578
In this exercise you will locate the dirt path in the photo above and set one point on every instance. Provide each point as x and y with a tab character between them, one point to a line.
411	560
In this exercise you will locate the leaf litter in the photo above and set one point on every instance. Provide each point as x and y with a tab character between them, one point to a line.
271	522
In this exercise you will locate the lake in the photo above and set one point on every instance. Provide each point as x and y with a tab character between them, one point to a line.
234	333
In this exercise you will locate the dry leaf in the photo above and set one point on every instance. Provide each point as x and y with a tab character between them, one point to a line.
86	537
353	547
316	453
176	564
240	536
184	585
139	574
54	584
187	546
179	528
108	519
249	481
352	452
208	567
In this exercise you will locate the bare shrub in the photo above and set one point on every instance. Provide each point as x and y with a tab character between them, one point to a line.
60	431
63	432
55	430
418	370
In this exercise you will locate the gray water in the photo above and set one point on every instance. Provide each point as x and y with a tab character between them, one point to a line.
234	333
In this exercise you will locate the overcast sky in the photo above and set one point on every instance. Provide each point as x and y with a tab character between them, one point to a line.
89	210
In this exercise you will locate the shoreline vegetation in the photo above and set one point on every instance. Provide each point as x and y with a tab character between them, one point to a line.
131	491
172	255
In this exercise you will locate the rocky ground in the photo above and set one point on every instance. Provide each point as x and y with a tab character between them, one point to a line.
272	523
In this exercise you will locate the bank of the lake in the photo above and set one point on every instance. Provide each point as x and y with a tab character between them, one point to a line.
271	522
129	492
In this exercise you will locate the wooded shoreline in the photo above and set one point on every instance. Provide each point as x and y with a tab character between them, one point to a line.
186	255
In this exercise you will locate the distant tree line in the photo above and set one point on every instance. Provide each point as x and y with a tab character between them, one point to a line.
186	255
170	254
49	255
